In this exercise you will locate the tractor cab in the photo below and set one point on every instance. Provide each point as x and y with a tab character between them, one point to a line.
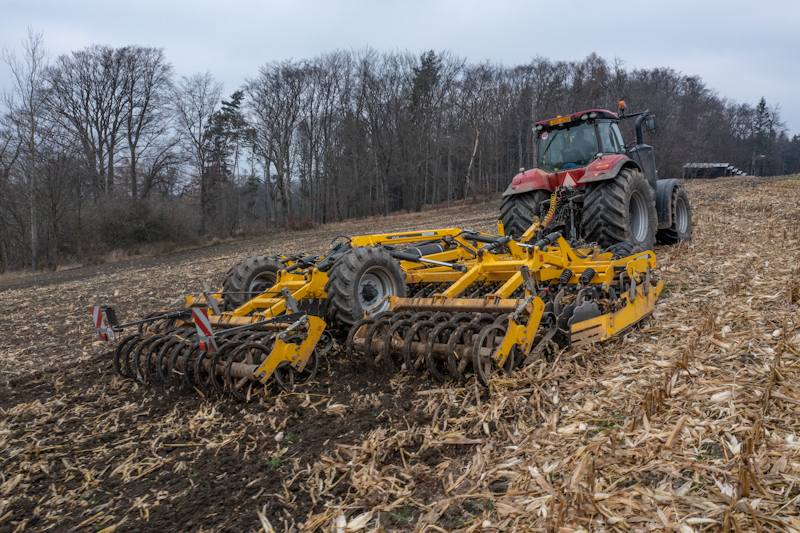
575	141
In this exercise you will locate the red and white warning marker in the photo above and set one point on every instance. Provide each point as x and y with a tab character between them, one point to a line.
204	334
104	332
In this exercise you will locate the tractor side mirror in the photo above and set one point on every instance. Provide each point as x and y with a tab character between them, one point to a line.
650	124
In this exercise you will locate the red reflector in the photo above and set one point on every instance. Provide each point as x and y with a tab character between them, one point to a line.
103	337
203	346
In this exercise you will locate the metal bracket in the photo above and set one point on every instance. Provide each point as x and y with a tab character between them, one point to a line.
647	281
378	305
291	303
293	327
521	307
209	297
530	283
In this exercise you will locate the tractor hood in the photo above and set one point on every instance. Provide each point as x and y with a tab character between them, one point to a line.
602	168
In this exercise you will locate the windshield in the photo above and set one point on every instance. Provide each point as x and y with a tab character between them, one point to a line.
569	148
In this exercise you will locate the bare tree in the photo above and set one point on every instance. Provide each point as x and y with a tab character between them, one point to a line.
194	101
276	100
90	100
147	81
26	103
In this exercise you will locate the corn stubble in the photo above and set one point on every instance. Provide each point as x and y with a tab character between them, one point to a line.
687	423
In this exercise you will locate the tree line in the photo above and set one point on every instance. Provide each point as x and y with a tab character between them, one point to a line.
106	148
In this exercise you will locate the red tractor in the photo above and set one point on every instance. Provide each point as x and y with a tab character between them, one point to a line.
592	187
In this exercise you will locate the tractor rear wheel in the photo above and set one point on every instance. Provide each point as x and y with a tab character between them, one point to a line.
248	278
359	280
620	209
681	229
518	211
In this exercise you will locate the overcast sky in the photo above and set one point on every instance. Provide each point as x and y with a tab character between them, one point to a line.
742	49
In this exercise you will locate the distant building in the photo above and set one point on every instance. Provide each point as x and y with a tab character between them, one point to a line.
710	171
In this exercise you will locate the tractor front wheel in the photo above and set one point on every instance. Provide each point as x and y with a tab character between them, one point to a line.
519	210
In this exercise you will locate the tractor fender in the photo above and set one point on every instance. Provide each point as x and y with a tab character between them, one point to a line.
612	172
664	191
529	180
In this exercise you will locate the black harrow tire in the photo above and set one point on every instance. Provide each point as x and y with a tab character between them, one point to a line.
621	209
255	273
681	229
360	279
518	211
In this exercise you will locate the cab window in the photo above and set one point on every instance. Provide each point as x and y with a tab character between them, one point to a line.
610	138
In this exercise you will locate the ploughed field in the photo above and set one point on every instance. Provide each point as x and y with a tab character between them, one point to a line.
688	422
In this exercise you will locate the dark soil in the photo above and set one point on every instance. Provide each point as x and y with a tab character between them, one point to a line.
96	450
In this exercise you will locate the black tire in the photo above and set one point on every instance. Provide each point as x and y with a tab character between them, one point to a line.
359	279
681	229
620	209
254	274
518	211
624	249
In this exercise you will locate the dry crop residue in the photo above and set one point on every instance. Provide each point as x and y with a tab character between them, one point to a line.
686	423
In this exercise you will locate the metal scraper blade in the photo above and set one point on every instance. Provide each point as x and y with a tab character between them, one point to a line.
585	311
564	317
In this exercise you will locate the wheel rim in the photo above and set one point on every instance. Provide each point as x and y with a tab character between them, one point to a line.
637	214
681	216
374	285
261	283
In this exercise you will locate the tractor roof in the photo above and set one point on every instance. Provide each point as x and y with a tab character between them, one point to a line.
575	117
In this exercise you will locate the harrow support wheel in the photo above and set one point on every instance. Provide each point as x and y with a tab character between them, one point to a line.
248	278
359	280
489	340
